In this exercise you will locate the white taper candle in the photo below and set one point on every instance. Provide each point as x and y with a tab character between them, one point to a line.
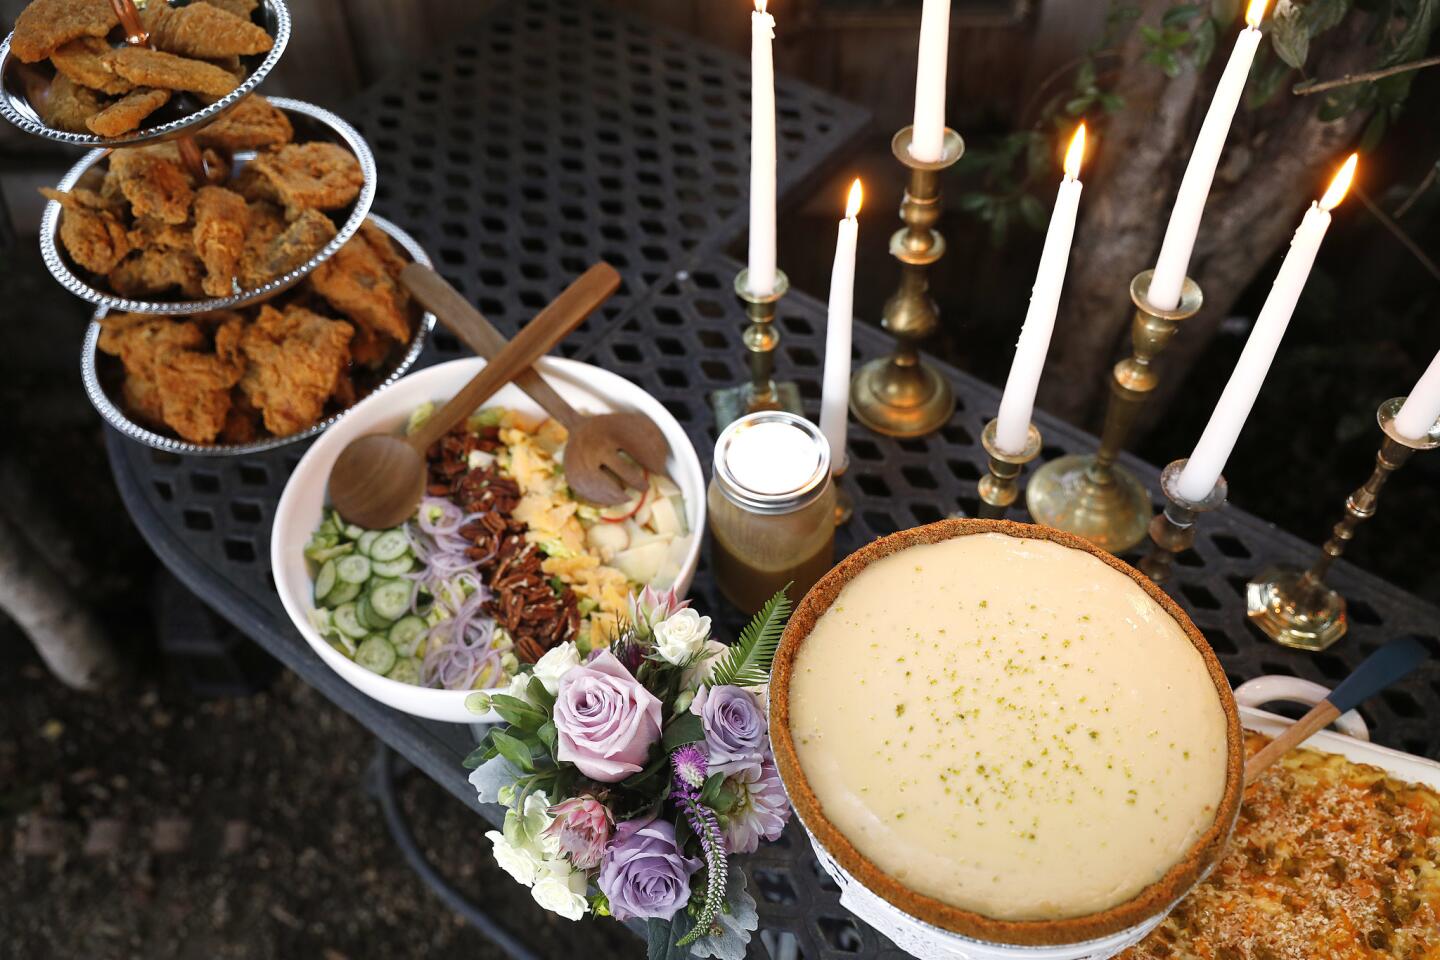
1206	464
835	393
1018	402
1175	250
927	141
1417	415
761	264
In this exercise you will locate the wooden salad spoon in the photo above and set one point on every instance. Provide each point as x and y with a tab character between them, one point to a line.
1388	665
378	480
594	465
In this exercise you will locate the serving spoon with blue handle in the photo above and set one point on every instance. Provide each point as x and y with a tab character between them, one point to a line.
1386	666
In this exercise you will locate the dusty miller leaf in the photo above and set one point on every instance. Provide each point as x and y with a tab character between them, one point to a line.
736	923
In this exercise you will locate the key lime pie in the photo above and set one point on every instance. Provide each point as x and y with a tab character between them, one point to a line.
1006	732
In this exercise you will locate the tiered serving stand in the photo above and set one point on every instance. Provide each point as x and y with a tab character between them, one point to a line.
311	123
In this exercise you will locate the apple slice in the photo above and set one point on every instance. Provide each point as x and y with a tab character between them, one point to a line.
628	509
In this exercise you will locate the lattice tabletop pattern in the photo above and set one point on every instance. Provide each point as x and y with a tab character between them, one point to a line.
515	164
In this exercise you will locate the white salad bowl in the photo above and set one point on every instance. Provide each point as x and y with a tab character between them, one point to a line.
302	505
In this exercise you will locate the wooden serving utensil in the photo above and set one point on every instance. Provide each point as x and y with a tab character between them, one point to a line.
594	466
1388	665
378	480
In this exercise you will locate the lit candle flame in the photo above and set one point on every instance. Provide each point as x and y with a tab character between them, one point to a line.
1255	12
1075	154
1336	191
761	4
852	203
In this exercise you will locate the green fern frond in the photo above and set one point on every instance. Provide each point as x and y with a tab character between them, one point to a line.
747	664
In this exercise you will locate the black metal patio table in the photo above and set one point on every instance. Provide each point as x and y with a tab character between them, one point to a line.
565	132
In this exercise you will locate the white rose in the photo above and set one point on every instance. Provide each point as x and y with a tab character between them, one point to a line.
700	672
556	662
519	862
681	636
561	890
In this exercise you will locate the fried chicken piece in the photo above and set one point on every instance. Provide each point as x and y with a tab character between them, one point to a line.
150	233
299	242
90	229
296	360
156	271
195	393
252	124
230	65
241	8
266	222
154	182
305	176
46	25
220	220
156	68
80	61
125	114
242	423
140	341
361	281
65	105
201	30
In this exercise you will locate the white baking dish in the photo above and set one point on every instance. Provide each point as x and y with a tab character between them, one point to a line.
932	943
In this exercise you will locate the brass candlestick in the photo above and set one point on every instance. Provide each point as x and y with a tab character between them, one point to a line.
999	488
760	339
1294	607
901	395
1090	495
1172	530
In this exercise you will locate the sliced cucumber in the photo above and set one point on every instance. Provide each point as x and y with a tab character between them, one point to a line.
393	568
348	623
391	599
366	539
352	531
390	545
406	670
325	581
343	593
406	634
353	568
375	654
343	644
368	617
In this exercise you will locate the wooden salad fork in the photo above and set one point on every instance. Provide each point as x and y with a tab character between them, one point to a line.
378	480
605	453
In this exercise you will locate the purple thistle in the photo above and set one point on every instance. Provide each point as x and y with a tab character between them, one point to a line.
690	771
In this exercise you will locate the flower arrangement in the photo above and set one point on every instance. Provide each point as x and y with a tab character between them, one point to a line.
630	776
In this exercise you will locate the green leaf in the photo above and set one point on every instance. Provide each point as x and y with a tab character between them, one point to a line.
1374	132
478	756
711	791
638	779
1177	16
539	696
747	662
1112	102
662	938
1205	36
974	201
1225	11
1079	105
684	729
518	713
513	750
1032	212
1290	36
550	737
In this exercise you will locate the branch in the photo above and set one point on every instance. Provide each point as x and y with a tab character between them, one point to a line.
1399	234
1418	192
1320	86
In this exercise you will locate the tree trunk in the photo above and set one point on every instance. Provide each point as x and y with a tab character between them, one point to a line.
1273	166
64	632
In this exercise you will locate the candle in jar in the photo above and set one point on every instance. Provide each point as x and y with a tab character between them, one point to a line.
1205	465
835	395
1421	409
760	274
1018	402
1174	260
927	140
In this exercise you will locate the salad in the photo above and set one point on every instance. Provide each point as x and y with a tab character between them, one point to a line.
500	563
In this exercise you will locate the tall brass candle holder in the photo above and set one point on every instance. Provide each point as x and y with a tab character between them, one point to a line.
1000	487
1172	530
1090	495
760	339
1294	607
901	395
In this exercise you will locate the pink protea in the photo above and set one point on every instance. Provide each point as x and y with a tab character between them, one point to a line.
649	607
582	828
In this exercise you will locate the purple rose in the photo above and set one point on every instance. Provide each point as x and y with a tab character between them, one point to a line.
643	873
735	728
607	722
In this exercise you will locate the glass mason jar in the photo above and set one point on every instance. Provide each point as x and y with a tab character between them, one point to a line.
771	508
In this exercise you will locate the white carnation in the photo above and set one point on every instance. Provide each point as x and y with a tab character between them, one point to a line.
700	671
556	662
517	861
561	890
681	636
